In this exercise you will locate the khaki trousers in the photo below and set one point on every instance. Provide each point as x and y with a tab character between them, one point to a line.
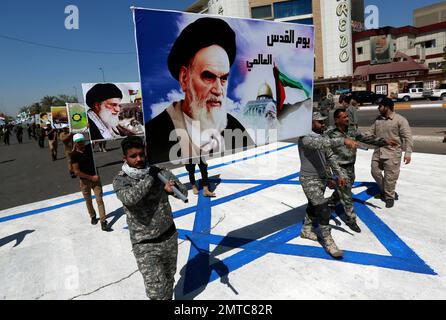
86	187
67	153
52	144
386	182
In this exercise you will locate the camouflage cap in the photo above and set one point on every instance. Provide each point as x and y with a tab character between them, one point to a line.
318	116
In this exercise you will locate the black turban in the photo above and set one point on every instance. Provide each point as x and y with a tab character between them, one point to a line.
200	34
101	92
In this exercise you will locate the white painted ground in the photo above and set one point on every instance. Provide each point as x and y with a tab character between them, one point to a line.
63	256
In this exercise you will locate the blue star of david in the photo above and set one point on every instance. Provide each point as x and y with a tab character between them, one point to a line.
202	268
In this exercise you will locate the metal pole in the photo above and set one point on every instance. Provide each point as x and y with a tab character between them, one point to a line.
75	92
103	75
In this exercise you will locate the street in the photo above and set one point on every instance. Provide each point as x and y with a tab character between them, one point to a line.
27	173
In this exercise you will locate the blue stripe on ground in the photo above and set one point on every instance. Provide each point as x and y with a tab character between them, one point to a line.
46	209
69	203
237	195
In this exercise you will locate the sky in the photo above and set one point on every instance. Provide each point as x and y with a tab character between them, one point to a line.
105	39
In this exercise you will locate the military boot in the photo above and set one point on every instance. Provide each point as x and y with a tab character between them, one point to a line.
207	192
351	223
307	231
328	242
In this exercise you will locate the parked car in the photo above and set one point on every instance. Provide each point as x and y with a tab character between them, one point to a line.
413	93
433	94
367	97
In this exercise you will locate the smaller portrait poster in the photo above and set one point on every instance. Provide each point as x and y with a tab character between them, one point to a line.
59	117
114	110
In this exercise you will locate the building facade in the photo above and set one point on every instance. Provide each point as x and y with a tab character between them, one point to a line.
388	60
428	15
334	22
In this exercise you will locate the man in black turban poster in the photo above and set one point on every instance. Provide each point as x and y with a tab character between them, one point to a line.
104	100
200	60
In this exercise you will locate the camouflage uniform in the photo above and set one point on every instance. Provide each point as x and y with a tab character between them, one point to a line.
346	159
315	151
152	230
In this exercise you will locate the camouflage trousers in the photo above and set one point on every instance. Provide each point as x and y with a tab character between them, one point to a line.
344	195
314	189
157	263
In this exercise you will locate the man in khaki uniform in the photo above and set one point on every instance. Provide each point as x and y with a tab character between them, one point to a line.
390	125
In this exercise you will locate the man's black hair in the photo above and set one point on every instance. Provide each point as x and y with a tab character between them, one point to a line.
131	142
338	112
347	99
386	102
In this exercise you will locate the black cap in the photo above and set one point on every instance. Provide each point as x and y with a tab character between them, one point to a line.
200	34
386	102
101	92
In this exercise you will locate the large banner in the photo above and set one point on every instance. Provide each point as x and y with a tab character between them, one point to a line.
59	117
382	48
78	122
213	84
114	110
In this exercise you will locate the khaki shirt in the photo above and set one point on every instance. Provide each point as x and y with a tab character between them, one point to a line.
394	127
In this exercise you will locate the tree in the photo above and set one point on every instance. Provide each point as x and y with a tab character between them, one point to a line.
47	102
35	108
67	99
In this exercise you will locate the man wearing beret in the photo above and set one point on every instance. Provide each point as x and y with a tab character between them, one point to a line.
103	117
200	59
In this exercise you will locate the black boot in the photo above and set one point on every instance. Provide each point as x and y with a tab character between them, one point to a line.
390	203
94	220
104	226
353	225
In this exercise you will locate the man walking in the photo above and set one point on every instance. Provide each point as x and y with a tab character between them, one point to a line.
346	159
315	153
149	216
67	139
19	134
387	159
83	166
40	136
52	143
350	106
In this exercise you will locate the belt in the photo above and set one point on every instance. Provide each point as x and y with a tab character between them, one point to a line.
163	237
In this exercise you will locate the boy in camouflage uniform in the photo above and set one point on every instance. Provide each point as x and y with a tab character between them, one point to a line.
346	159
149	216
315	152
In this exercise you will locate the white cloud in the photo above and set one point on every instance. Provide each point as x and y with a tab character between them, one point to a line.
172	96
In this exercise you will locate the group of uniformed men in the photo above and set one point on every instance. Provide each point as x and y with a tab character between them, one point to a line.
328	159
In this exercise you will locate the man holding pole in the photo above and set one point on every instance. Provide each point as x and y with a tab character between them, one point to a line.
149	216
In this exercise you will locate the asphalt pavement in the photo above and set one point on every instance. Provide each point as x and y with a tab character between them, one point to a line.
27	173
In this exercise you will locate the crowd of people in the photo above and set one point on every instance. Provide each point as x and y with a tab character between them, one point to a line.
328	160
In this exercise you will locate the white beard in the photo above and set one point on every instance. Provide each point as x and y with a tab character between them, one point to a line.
110	120
215	119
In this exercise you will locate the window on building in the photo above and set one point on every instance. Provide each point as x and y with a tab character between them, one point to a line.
263	12
292	8
302	21
381	89
359	50
429	84
430	44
